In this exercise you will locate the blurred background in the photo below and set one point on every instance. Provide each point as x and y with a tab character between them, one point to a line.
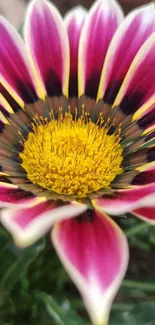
14	10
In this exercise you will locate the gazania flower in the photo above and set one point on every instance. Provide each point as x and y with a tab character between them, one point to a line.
77	137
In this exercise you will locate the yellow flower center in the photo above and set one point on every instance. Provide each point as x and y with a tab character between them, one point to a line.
71	157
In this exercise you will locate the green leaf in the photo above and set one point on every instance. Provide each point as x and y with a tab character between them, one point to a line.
152	236
4	234
57	314
140	314
19	268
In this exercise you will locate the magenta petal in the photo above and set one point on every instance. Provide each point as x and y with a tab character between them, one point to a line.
14	68
151	135
130	36
3	117
6	108
127	200
8	102
11	195
145	214
29	224
94	251
146	111
47	41
99	28
147	120
144	177
74	21
138	86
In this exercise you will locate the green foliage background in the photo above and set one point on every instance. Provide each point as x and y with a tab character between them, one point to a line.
36	290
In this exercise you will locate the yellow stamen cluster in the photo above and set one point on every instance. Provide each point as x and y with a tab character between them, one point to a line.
71	157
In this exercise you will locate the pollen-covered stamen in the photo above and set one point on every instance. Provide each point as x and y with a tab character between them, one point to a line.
71	156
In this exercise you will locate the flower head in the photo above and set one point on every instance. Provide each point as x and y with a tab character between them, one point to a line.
77	129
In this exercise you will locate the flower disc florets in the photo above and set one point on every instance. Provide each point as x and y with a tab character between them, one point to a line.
71	156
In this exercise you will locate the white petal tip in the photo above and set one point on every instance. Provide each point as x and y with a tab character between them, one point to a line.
78	13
